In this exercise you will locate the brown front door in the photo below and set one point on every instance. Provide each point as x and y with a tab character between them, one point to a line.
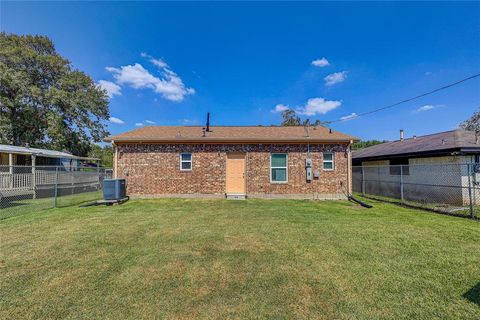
236	173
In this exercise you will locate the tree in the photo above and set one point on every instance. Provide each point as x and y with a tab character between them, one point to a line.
290	118
105	154
44	101
366	143
472	124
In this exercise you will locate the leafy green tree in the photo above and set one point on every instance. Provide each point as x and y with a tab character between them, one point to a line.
473	123
44	101
366	143
105	154
290	118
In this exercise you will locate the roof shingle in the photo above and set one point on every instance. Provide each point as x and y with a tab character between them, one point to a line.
433	143
177	134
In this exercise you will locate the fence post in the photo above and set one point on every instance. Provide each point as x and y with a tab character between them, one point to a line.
56	186
470	173
34	176
363	180
10	169
98	174
401	183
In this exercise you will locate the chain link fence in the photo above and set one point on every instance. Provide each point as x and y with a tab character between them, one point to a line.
446	188
25	189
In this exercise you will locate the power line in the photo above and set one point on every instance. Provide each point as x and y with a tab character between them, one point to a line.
409	99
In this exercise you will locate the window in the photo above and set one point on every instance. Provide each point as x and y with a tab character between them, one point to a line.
185	161
399	166
278	167
328	161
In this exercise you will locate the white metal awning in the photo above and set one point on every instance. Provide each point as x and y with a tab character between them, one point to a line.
5	148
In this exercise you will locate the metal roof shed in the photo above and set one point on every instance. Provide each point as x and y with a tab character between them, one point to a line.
36	152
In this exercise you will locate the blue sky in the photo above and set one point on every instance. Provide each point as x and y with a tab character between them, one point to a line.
170	63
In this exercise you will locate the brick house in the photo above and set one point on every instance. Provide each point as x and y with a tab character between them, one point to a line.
255	161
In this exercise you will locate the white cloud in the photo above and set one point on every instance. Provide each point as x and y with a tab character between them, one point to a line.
426	107
141	124
335	78
318	106
280	108
111	88
321	62
169	85
428	73
116	120
349	117
134	75
158	62
188	122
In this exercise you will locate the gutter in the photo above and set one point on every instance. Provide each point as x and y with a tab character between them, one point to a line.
221	140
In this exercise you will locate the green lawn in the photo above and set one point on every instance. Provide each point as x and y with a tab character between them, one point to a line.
461	211
254	259
17	207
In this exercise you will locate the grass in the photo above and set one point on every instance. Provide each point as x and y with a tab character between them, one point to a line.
461	211
254	259
14	207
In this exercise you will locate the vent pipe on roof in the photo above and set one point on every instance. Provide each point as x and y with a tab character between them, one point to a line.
401	134
414	137
305	130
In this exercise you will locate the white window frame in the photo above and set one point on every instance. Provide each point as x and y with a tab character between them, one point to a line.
182	161
328	161
286	168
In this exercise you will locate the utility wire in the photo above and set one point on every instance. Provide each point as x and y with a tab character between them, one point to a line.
407	100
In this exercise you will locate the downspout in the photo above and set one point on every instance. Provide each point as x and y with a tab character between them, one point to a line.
349	167
115	160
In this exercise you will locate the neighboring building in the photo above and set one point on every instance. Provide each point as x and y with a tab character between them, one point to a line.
266	162
23	170
437	167
24	156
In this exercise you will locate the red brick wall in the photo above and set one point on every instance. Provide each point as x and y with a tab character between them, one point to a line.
154	169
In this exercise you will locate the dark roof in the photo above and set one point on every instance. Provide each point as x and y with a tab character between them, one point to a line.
434	144
179	134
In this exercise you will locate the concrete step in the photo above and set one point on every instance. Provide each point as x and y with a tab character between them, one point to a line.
235	196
